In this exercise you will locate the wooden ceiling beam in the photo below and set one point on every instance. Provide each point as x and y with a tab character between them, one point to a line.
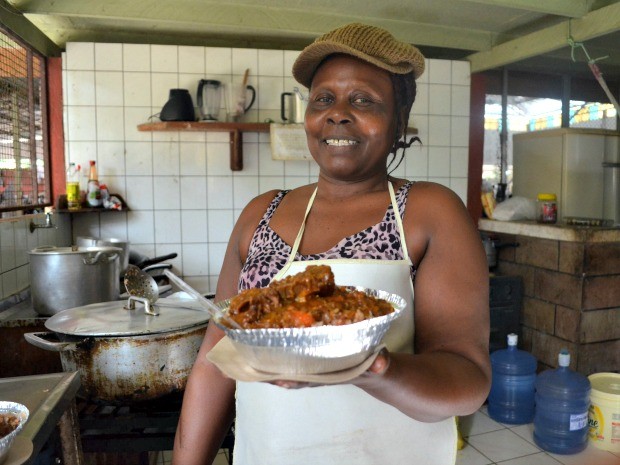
14	21
595	24
222	19
567	8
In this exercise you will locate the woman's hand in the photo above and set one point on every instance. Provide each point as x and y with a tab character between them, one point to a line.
379	366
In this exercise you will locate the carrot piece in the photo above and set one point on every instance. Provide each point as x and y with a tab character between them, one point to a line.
301	318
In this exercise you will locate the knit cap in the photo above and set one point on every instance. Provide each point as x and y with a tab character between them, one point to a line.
369	43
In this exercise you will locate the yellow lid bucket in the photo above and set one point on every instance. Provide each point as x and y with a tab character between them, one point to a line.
604	413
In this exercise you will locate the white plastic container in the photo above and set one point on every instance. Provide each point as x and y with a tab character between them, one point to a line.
604	414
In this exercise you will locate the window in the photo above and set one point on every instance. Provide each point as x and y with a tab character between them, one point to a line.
532	114
24	167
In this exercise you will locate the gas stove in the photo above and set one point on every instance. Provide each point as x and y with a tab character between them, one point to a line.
137	427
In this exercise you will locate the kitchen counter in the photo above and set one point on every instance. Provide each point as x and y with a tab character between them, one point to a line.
15	321
21	315
50	399
559	232
571	289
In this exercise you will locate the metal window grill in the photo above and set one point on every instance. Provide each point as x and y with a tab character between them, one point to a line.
24	170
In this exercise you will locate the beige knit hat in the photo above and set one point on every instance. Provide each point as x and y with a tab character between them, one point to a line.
370	43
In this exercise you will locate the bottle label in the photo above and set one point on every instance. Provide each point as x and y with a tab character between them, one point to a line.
548	212
578	421
94	194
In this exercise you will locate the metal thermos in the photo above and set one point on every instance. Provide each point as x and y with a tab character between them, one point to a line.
293	106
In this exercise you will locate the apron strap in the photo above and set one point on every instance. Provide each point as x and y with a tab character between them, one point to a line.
300	234
399	221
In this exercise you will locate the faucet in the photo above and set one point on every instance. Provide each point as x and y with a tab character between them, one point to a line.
48	220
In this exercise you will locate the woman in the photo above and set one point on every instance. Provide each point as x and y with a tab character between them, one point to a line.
362	86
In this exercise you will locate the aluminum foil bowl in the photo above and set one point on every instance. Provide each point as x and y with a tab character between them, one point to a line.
314	350
21	412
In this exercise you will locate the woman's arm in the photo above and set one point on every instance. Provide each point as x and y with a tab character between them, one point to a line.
208	402
450	372
208	409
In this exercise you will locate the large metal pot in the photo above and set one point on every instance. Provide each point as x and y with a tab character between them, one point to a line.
125	355
89	241
67	277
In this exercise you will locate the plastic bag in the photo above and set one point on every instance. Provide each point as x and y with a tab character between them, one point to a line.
514	209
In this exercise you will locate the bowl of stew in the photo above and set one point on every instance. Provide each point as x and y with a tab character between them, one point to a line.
13	417
305	324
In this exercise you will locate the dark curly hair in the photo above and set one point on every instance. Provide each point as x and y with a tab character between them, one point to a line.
404	94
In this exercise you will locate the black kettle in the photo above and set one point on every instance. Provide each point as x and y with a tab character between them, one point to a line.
179	107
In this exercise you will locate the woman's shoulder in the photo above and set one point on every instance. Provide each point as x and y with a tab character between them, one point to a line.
259	204
427	190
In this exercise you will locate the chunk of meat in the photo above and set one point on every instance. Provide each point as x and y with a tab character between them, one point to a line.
315	280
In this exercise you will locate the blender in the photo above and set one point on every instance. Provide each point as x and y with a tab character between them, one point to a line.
209	95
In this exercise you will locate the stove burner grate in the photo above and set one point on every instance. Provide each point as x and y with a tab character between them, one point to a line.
139	427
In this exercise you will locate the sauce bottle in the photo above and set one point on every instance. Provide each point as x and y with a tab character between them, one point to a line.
93	194
547	206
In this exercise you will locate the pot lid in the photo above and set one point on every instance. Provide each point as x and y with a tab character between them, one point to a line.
113	319
53	250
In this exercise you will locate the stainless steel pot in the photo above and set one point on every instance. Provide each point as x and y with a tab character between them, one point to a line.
66	277
125	355
89	241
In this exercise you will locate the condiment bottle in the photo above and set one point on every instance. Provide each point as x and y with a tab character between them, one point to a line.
562	404
93	194
73	188
547	205
511	399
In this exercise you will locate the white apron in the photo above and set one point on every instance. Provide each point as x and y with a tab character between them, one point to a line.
341	425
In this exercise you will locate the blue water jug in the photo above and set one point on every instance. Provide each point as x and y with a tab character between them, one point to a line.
511	399
562	403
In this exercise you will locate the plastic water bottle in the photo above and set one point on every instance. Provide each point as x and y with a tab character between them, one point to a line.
511	399
562	403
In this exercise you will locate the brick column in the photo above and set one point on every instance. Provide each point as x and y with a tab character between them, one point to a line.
571	299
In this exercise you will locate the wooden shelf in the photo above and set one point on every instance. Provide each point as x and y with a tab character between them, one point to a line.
235	130
61	206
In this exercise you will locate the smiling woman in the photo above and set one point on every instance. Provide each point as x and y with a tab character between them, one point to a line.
354	219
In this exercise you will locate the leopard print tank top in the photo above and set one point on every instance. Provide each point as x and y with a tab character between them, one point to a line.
268	253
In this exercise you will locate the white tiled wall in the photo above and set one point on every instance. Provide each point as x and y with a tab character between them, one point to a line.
181	192
16	241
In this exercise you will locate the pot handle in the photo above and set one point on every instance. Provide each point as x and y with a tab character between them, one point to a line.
148	309
37	341
100	257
